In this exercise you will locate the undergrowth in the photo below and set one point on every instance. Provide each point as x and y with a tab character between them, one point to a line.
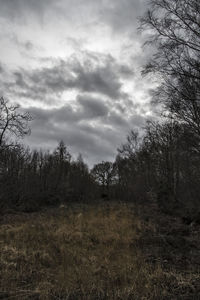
86	252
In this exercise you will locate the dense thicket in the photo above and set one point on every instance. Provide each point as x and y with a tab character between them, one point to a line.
31	179
163	165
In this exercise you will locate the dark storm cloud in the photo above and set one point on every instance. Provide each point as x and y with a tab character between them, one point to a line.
50	126
93	107
73	126
99	74
41	116
102	78
87	108
118	120
19	80
125	71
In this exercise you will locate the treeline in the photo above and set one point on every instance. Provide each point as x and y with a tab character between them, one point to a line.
162	166
32	179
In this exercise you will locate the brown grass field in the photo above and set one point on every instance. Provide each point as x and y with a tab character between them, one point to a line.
99	251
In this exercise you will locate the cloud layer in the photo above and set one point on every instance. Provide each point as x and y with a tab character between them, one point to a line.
75	65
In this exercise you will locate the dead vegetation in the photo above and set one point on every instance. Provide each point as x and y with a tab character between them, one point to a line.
105	251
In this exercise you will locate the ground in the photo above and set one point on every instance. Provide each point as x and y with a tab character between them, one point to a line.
99	251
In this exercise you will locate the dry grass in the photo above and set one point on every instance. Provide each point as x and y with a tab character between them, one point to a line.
89	252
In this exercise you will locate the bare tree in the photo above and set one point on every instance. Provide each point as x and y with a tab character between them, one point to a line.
129	149
104	174
12	121
175	33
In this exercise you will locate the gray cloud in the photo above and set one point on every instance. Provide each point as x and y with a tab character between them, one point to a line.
50	126
93	107
1	68
99	74
23	45
19	80
120	15
19	10
117	120
96	90
74	127
102	79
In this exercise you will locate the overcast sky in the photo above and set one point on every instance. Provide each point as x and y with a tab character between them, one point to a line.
75	65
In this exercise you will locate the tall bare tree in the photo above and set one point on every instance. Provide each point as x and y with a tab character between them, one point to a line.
174	27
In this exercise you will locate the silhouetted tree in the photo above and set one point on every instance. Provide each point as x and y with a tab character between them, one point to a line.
104	174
